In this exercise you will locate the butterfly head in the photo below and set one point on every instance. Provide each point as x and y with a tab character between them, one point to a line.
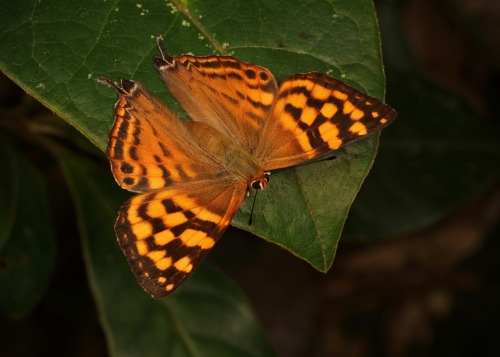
261	182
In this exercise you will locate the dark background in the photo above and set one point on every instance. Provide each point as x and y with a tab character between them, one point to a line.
433	291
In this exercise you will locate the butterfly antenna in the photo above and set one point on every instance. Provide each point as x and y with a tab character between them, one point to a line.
253	205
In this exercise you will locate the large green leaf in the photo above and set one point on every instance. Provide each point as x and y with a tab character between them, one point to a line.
207	316
28	251
56	48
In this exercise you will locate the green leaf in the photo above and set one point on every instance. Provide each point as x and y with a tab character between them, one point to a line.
207	316
55	48
436	156
28	251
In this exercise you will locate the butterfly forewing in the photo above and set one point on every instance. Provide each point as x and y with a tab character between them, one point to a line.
166	233
232	96
314	114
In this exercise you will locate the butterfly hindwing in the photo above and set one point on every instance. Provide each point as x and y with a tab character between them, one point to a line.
314	114
166	233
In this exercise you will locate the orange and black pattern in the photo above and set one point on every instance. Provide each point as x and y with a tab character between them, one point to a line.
166	233
193	176
320	114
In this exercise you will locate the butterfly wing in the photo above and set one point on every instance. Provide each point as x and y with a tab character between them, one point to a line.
149	147
188	197
166	233
314	114
232	96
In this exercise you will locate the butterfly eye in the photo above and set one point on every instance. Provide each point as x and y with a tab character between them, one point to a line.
256	185
260	183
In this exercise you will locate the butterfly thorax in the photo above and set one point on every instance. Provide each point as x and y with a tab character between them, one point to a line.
230	154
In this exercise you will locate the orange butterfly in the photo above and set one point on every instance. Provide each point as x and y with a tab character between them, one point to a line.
193	176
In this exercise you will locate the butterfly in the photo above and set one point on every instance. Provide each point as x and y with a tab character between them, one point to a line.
192	176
